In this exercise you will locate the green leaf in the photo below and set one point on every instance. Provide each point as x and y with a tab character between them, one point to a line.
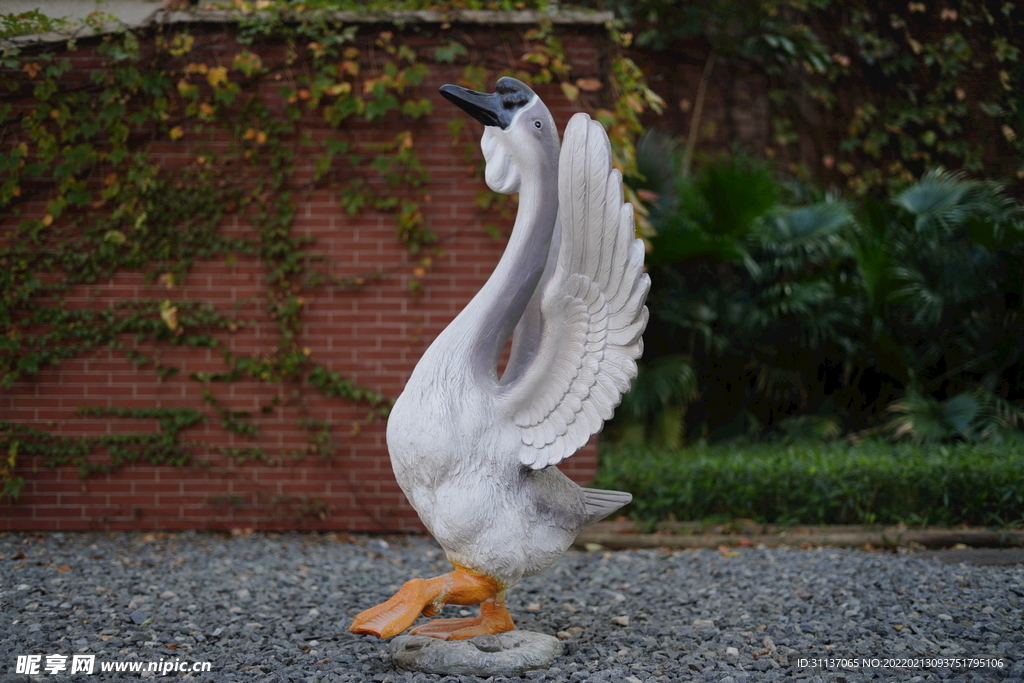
812	222
376	109
678	246
417	108
728	197
936	194
960	412
449	52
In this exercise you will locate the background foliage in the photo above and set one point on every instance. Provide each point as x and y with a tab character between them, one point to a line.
858	274
854	273
870	483
774	314
80	168
888	303
863	94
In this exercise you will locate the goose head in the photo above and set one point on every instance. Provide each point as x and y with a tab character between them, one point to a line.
520	139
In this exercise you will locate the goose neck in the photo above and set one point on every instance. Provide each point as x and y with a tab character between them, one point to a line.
501	302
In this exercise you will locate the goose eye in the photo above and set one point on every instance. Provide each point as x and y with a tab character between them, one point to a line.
538	125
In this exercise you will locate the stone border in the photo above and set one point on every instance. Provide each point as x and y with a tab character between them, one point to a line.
615	535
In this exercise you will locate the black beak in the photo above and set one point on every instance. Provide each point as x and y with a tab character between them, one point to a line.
496	109
484	108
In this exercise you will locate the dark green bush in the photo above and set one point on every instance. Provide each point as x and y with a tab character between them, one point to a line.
903	314
873	482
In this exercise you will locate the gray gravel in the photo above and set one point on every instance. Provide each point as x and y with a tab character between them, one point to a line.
276	607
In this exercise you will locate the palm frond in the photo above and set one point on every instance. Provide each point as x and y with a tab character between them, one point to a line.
918	418
1000	419
960	412
796	241
935	197
874	250
800	299
736	195
915	293
667	381
678	243
924	418
942	202
811	222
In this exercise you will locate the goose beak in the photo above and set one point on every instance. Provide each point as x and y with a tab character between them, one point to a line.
483	107
494	109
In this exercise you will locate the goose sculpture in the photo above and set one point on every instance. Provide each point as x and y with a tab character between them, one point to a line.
475	453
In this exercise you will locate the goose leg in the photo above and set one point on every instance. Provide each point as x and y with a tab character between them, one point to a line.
427	597
494	618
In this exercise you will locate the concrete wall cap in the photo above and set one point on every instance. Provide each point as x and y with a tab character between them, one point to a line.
127	15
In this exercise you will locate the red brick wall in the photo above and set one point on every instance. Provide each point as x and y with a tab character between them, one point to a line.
374	335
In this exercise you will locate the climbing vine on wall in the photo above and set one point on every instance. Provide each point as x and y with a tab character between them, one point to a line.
888	90
862	95
84	169
946	90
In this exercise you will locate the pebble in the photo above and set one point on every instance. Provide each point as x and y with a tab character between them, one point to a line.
276	607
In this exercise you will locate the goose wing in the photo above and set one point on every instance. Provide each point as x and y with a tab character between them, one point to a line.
592	309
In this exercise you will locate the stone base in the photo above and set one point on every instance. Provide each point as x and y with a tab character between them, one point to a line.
505	654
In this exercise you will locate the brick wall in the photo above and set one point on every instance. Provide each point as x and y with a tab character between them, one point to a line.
736	113
374	335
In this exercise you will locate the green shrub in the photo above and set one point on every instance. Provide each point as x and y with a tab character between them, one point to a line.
873	482
901	313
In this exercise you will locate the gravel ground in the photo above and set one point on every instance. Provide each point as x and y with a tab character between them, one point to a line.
276	607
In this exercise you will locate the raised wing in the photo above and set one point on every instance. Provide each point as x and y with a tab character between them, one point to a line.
592	309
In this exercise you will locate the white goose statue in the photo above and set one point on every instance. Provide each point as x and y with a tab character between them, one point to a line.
475	453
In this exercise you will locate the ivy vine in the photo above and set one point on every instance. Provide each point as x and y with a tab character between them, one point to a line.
890	90
81	171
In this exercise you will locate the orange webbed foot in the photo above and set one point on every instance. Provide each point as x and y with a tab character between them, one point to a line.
396	614
494	618
427	596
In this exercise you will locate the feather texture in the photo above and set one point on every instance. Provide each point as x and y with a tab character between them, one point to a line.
592	308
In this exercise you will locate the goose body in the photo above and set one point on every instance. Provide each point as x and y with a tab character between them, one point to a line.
475	452
491	515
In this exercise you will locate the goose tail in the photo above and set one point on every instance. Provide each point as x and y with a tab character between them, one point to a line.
601	503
